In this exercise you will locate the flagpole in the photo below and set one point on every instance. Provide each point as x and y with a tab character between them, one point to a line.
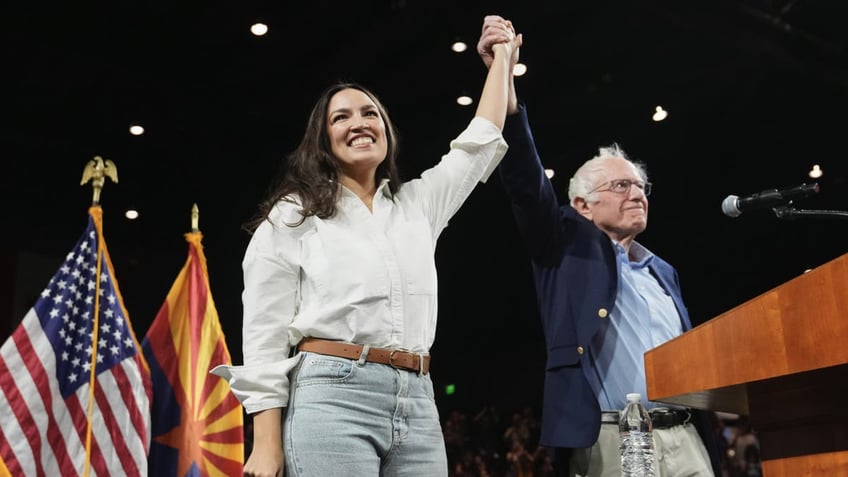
92	374
96	171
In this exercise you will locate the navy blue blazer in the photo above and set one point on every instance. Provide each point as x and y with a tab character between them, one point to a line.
574	268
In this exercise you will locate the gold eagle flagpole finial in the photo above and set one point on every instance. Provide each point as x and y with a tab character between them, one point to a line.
96	171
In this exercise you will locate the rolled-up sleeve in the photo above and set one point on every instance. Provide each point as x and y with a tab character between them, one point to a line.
259	387
270	301
472	157
483	139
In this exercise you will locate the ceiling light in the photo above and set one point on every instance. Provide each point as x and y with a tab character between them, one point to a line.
459	46
519	69
259	29
464	100
136	129
816	172
659	114
131	214
549	173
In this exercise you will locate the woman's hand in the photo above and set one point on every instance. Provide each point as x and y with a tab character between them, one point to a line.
498	33
266	459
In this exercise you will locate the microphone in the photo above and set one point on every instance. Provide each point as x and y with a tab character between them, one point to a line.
733	206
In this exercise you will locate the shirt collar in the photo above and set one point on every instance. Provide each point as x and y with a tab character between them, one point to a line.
384	187
641	256
381	187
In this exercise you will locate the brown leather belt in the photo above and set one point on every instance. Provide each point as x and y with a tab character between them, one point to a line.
394	358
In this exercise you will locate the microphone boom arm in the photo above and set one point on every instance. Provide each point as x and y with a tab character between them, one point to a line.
787	212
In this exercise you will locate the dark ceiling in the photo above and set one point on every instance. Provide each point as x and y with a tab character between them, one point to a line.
757	92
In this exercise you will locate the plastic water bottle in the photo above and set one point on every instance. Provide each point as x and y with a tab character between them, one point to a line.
637	445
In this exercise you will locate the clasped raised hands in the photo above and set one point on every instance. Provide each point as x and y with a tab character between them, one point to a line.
498	33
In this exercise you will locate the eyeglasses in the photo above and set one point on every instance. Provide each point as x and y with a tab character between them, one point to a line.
622	186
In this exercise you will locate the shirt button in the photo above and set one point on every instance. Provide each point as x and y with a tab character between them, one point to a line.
580	350
603	313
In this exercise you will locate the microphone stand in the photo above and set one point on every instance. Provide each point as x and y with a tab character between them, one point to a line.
786	212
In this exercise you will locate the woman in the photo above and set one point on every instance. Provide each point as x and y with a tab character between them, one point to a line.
340	290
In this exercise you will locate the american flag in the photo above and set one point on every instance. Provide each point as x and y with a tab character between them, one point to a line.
74	387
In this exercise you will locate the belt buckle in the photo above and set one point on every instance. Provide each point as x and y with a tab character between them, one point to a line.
391	359
663	416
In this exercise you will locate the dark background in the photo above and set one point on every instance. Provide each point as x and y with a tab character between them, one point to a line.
757	93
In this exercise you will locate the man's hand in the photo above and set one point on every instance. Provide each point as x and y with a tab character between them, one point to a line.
495	30
499	33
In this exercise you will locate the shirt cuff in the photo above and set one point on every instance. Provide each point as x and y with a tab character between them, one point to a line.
261	386
480	132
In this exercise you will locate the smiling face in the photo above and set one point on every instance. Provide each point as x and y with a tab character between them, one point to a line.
357	133
621	215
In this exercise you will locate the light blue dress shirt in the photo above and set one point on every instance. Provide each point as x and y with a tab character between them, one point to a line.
643	317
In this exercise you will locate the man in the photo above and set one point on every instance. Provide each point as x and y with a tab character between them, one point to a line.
604	300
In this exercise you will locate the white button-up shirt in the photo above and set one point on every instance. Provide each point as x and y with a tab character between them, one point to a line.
361	276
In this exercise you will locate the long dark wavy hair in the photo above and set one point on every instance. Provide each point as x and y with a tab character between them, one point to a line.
311	172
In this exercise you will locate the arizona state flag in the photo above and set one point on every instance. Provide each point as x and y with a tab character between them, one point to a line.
197	424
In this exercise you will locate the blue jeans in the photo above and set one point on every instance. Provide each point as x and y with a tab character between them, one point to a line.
353	418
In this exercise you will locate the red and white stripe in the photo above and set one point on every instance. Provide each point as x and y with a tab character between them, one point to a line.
42	434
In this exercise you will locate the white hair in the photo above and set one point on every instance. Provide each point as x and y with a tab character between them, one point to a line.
586	178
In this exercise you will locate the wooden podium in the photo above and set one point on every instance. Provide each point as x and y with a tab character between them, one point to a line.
782	360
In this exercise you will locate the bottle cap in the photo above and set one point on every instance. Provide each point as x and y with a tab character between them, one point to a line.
634	397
